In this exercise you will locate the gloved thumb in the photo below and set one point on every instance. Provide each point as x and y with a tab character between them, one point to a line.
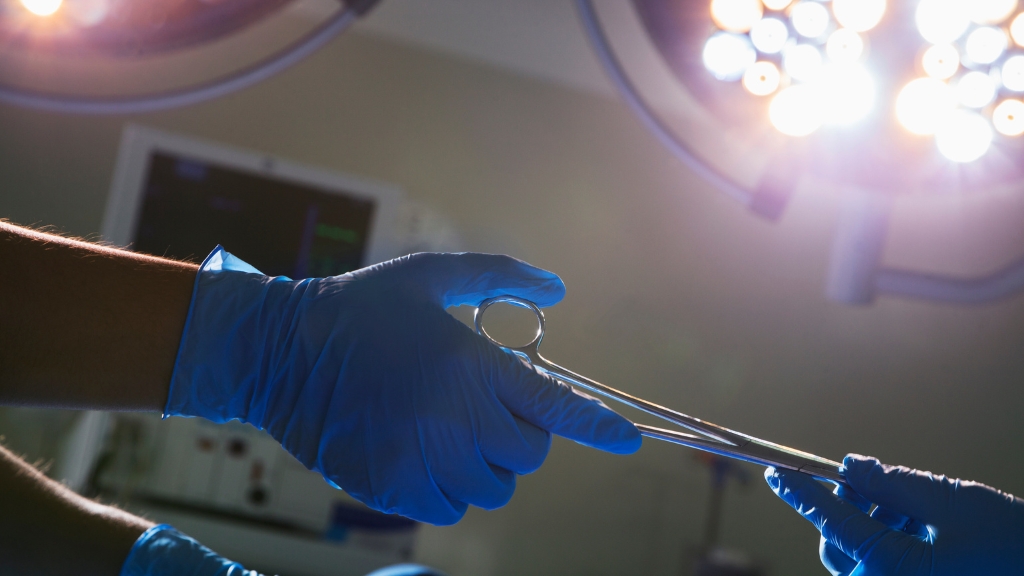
919	495
470	278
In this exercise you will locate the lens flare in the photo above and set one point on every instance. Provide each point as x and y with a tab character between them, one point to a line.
42	7
1008	117
769	35
847	92
736	15
986	45
777	4
976	90
796	110
942	21
992	11
844	45
1013	73
941	61
923	104
858	15
762	78
802	62
809	18
964	136
727	56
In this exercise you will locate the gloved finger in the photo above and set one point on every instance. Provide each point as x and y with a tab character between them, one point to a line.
893	520
851	496
460	471
511	442
842	524
554	406
913	493
834	560
470	278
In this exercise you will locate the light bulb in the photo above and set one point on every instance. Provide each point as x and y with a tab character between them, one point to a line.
809	18
1008	117
923	104
769	35
42	7
992	11
762	78
1017	29
777	4
847	91
941	61
728	55
964	136
942	21
1013	73
844	45
796	110
858	15
976	90
802	62
736	15
986	45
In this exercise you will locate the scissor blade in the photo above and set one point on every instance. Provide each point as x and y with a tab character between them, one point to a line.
755	452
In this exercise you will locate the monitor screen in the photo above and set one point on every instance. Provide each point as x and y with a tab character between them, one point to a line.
279	226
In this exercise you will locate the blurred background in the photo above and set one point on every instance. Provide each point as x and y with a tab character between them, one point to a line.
499	128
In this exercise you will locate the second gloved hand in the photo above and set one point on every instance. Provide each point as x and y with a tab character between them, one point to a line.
367	379
923	525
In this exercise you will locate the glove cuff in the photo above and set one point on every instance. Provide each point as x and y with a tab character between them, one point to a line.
163	551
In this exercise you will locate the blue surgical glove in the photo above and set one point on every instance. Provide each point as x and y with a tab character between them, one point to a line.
923	524
367	379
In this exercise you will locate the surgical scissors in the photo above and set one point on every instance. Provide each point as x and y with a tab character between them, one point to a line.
714	438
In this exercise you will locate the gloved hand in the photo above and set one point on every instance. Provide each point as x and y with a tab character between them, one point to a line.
923	525
365	378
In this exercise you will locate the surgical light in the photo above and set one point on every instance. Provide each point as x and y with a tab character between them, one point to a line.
976	90
992	11
727	55
809	18
844	45
769	35
1013	73
796	110
964	136
847	93
986	45
1008	117
762	78
802	62
941	61
858	15
924	104
942	21
736	15
1017	29
777	5
42	7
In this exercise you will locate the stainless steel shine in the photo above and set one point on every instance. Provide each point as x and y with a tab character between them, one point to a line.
713	438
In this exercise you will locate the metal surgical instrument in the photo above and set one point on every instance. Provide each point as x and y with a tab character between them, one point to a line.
713	438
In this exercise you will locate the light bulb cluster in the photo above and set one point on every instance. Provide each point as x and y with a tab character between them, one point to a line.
973	76
805	54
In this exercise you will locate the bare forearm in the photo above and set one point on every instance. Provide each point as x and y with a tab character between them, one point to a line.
47	529
85	326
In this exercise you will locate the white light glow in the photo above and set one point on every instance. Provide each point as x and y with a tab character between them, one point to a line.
992	11
1013	73
769	35
986	45
736	15
942	21
796	110
844	45
964	136
809	18
923	104
847	92
941	61
1008	117
727	56
1017	29
976	90
802	62
777	4
762	78
42	7
858	15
